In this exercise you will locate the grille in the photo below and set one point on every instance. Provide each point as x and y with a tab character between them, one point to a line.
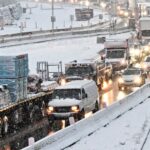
62	109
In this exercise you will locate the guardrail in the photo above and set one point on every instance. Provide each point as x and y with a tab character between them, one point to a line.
57	36
89	125
59	32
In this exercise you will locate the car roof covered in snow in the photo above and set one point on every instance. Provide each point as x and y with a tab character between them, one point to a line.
46	83
77	84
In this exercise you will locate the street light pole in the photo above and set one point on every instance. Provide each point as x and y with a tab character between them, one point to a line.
52	18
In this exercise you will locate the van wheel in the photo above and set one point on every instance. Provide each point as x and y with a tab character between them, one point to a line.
81	115
96	107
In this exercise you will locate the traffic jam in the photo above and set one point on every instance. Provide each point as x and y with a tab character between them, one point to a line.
37	105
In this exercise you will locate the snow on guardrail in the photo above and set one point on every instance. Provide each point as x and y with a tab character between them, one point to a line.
89	125
57	36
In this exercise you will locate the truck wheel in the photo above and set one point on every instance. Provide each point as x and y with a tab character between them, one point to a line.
143	81
120	88
81	115
96	107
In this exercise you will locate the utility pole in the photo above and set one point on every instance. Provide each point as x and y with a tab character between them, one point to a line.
52	17
137	23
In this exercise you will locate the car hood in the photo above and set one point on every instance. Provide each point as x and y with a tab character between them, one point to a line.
64	102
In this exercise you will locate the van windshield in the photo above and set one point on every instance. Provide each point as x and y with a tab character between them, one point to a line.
119	53
67	93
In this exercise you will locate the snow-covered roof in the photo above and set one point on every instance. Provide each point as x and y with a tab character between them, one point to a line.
47	83
75	84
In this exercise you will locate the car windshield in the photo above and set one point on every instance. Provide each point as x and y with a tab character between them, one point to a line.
115	53
67	93
147	59
131	72
145	33
79	71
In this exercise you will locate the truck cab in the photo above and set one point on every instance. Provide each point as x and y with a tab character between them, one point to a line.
117	53
88	69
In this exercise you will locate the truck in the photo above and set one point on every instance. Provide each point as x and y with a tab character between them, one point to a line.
144	25
117	54
88	69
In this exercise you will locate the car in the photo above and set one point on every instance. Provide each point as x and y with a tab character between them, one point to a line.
146	64
131	77
47	86
73	99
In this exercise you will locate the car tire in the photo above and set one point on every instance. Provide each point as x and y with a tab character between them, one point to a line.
120	88
96	107
81	114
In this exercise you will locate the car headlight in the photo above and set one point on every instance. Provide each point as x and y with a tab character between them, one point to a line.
138	80
75	108
120	80
144	66
50	109
146	49
63	82
137	65
123	62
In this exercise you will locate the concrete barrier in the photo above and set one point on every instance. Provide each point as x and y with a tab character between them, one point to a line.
89	125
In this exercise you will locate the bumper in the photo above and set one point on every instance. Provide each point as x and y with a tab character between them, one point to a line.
63	115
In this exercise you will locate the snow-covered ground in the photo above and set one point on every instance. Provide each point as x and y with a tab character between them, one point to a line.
124	133
63	50
38	17
122	126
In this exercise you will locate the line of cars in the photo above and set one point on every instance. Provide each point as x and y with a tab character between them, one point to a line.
79	93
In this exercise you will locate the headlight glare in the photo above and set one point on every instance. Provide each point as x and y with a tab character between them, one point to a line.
120	80
50	109
75	108
138	80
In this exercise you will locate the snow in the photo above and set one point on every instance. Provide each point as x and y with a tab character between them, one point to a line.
78	84
106	130
64	103
124	133
55	51
31	20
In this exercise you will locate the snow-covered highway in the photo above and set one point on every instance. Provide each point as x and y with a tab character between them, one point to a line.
122	126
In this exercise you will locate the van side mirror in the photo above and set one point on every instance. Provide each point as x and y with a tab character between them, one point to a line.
85	95
102	57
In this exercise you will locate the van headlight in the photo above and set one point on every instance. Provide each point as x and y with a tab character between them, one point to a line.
63	81
120	80
75	108
138	80
50	109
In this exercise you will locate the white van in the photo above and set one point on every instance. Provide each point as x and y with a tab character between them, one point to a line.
75	98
